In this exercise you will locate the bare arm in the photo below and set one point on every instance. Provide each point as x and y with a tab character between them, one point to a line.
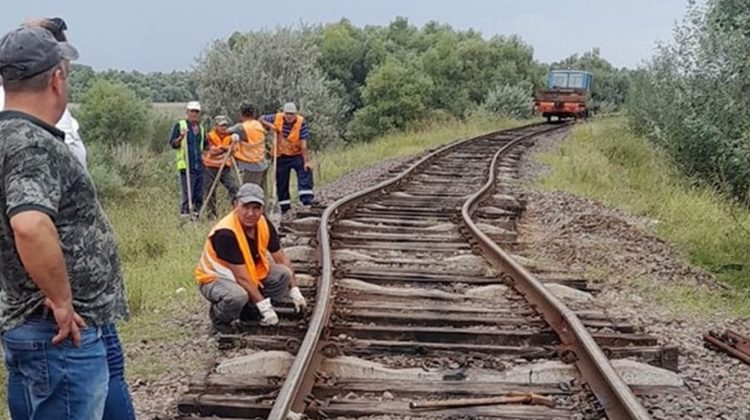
268	125
38	246
280	257
240	273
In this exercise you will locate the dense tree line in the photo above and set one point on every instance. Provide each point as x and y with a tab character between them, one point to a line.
355	83
692	99
176	86
361	82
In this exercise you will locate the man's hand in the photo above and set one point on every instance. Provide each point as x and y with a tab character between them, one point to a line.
216	151
178	140
299	301
307	166
69	323
267	312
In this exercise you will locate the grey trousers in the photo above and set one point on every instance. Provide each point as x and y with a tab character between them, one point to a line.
228	298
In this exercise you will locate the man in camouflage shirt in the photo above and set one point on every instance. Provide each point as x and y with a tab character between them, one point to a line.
60	277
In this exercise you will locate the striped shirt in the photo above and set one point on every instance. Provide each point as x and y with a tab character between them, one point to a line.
304	132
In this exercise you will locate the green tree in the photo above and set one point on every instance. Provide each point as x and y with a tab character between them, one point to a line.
269	68
110	114
396	94
692	98
80	80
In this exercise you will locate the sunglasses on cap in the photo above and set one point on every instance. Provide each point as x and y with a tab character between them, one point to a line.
57	26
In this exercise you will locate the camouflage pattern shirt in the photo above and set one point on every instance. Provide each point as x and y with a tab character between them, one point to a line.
40	173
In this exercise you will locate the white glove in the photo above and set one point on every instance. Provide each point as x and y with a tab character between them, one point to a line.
266	311
298	299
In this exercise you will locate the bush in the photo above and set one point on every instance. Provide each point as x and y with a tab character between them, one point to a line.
110	114
109	184
396	94
268	69
509	101
161	128
692	99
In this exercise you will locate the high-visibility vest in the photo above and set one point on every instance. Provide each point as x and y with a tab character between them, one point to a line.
217	140
290	145
182	151
254	149
210	268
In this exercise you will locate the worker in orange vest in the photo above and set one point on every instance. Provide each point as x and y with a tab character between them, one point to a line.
293	134
219	144
235	274
250	149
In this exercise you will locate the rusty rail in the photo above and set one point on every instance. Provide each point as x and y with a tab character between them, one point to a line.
613	393
731	343
615	396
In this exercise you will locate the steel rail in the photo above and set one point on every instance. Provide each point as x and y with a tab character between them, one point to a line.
613	393
300	379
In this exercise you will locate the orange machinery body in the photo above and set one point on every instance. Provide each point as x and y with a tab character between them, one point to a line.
562	103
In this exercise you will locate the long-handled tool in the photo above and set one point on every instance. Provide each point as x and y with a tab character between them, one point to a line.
274	212
189	186
211	191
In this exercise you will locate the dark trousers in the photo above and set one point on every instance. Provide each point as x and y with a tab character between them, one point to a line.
304	181
196	179
227	180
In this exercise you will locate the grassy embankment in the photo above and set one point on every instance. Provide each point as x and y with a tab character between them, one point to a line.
605	161
159	255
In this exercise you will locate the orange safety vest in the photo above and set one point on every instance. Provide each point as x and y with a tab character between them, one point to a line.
291	145
210	268
254	149
216	140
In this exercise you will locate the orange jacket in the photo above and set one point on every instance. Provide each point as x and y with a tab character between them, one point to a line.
290	146
254	149
210	268
216	140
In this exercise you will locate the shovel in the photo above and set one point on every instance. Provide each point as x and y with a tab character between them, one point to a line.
274	210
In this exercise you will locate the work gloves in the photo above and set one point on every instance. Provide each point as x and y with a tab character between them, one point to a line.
298	299
267	313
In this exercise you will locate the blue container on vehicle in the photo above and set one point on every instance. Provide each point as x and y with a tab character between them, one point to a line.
569	79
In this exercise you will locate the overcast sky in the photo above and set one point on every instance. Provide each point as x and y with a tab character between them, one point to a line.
161	35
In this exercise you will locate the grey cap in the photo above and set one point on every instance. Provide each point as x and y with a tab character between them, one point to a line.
222	120
250	193
26	52
290	108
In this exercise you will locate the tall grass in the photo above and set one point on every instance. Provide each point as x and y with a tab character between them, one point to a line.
606	161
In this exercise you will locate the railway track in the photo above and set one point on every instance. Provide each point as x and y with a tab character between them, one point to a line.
418	305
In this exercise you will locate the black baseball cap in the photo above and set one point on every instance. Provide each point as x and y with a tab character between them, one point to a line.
28	51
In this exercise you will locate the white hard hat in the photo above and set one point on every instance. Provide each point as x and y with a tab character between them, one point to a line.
290	108
193	106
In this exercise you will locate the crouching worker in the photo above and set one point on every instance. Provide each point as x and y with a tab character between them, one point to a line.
235	273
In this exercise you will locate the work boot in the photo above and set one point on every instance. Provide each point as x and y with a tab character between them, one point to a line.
218	325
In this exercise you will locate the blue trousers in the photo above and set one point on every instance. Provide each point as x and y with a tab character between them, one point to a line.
196	179
285	165
118	404
47	381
